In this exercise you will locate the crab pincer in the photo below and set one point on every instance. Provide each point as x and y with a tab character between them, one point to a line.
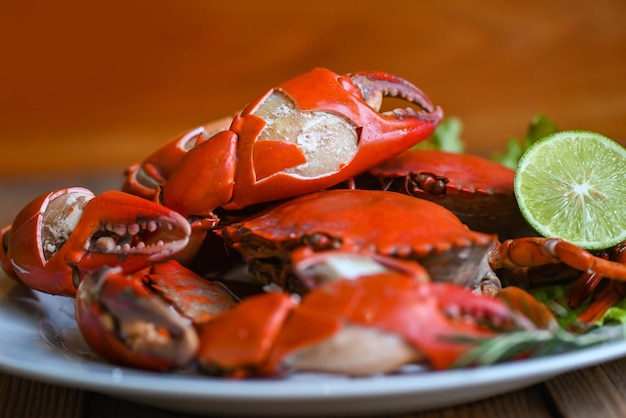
148	319
65	233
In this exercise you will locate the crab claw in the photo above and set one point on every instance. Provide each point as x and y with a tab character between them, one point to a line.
308	133
319	129
126	324
67	232
392	318
148	319
375	323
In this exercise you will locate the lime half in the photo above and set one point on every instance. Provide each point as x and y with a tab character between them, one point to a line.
572	185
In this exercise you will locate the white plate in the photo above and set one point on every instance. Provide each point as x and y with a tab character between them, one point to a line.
34	327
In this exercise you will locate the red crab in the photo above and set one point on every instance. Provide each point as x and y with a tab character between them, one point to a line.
479	191
361	221
396	225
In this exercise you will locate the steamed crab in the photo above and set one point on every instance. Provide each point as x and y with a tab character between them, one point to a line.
132	257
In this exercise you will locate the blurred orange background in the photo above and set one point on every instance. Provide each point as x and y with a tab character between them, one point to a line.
99	85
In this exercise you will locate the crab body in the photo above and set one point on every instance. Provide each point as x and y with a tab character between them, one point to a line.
479	191
360	221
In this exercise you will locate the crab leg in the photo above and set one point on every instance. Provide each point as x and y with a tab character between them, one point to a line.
607	296
584	285
532	251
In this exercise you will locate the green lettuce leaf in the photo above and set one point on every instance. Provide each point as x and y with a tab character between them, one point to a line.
539	127
447	137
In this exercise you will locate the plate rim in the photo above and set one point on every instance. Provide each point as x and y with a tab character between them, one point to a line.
212	394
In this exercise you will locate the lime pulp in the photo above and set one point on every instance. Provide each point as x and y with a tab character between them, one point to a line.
572	185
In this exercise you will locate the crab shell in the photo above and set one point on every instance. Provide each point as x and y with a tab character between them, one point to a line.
479	191
360	221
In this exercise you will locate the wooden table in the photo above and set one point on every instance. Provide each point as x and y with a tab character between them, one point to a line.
592	392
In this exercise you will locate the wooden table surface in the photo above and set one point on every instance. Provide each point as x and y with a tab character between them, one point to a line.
89	88
593	392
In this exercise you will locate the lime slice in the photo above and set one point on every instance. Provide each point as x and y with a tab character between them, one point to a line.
572	185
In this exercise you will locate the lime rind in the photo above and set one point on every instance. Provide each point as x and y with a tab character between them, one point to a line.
572	185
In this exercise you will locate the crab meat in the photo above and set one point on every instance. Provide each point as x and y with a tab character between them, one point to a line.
355	351
327	141
59	219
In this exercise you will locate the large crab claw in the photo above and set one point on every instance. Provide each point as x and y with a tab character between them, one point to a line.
147	320
373	323
67	232
306	134
399	320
